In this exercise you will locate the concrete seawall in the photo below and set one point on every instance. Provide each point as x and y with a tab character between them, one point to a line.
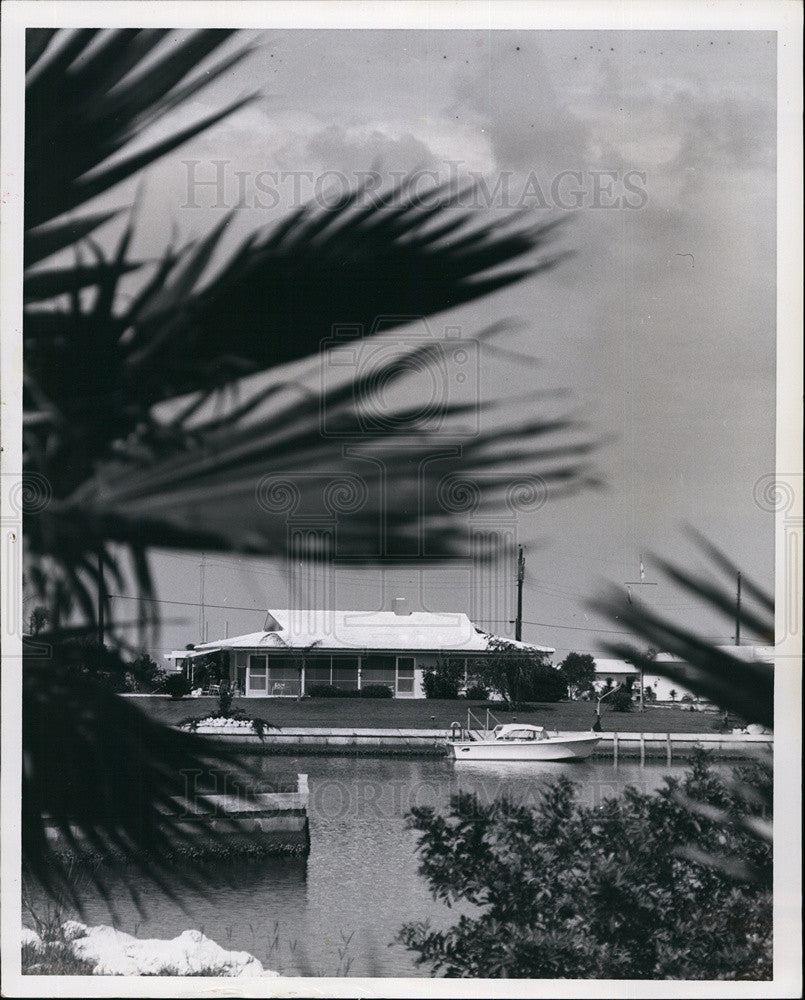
431	742
267	823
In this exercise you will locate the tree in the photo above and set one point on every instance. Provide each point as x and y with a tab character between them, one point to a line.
567	890
578	672
519	676
672	694
117	382
39	618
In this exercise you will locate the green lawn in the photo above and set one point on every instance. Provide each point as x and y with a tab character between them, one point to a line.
380	713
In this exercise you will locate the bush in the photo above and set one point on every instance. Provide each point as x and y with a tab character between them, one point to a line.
329	691
568	890
436	685
444	678
376	691
177	686
476	692
621	700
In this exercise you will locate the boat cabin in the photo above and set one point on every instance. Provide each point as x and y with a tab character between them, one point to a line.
520	731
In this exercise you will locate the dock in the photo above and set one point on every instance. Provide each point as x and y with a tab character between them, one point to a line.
431	742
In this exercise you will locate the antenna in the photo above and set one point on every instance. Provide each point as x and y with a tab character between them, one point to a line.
642	582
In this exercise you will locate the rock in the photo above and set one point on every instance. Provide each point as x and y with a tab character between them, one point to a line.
115	953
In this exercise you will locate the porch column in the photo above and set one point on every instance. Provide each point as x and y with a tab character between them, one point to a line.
359	672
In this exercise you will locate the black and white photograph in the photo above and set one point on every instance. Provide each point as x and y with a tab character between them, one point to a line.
401	499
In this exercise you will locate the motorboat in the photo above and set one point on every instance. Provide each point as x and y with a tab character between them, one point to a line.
520	741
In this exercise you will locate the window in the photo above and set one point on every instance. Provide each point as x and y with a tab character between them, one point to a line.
283	668
317	671
405	675
379	669
345	672
257	673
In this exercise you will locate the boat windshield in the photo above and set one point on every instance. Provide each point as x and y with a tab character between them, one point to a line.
520	733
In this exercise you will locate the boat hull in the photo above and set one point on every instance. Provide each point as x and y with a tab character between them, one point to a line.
575	747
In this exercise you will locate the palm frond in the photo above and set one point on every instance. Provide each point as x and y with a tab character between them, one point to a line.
743	686
110	781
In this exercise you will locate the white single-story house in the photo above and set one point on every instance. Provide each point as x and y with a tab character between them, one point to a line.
346	649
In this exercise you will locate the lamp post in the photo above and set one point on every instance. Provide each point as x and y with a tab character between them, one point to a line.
597	723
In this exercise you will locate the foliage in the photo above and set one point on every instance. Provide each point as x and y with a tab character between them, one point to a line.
519	676
177	686
124	770
578	672
117	429
376	691
568	890
38	619
84	656
743	686
53	958
476	691
736	685
147	674
444	678
225	696
622	700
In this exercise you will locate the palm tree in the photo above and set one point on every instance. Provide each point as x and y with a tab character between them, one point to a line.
120	446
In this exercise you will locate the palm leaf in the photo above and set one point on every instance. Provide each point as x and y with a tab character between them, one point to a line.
739	685
110	780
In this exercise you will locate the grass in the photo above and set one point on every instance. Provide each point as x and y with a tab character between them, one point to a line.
381	713
53	959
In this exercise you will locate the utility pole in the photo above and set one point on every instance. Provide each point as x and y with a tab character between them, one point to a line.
642	582
201	613
738	613
518	624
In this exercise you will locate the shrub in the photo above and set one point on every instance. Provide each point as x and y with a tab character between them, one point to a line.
476	692
438	686
329	691
616	890
621	700
177	686
376	691
444	678
225	700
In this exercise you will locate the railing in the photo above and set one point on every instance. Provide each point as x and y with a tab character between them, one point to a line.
481	726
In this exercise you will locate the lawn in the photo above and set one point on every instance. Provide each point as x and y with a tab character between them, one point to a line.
380	713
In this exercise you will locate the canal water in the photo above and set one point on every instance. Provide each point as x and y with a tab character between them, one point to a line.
338	911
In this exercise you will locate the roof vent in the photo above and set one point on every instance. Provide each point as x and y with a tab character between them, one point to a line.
400	606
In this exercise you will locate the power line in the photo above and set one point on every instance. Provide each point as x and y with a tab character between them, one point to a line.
186	604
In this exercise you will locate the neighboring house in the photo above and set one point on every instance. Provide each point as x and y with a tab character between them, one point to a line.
618	670
347	649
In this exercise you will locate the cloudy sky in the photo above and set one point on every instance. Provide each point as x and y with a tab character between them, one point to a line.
662	323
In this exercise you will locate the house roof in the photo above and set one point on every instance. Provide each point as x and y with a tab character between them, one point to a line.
380	630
